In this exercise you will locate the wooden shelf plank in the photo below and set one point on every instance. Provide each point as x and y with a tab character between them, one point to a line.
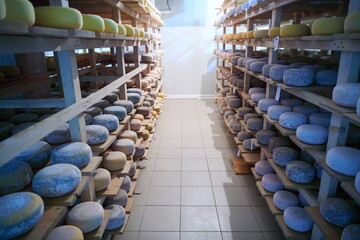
240	166
269	120
138	142
266	152
116	132
136	175
251	158
91	167
259	112
132	188
113	188
251	103
104	146
273	209
125	120
141	130
305	146
257	144
256	175
262	190
349	187
237	141
285	131
139	104
124	171
147	142
289	233
129	205
99	232
245	151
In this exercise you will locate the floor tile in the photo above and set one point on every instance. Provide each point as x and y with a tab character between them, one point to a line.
163	196
127	236
226	153
219	164
159	236
248	180
165	164
171	133
193	164
242	236
265	219
254	196
230	196
192	153
192	143
169	153
167	179
273	236
237	219
135	218
140	199
199	219
225	179
188	135
201	236
170	143
147	165
161	218
195	179
197	196
145	178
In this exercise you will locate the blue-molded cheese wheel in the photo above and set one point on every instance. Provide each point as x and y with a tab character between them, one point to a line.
126	184
284	155
128	134
339	212
145	111
272	183
140	151
326	78
59	135
346	94
292	120
306	109
229	113
76	153
120	199
111	122
67	232
321	119
263	136
263	167
300	172
357	182
87	216
14	176
291	102
6	129
102	104
241	61
134	97
344	160
275	112
312	134
255	124
132	170
19	213
298	77
93	111
234	60
117	217
277	72
298	219
244	110
266	69
257	66
256	97
102	179
314	68
118	111
256	90
247	145
37	155
134	90
135	124
114	160
236	126
284	199
243	135
88	118
23	118
249	116
96	134
265	103
128	105
21	127
126	146
112	97
278	142
56	180
235	102
247	62
351	232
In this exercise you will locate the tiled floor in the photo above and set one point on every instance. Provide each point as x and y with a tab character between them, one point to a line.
188	189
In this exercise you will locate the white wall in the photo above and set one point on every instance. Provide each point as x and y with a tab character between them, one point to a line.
189	63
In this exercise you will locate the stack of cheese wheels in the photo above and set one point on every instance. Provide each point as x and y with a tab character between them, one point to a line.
93	23
294	30
58	17
18	10
321	26
87	216
351	24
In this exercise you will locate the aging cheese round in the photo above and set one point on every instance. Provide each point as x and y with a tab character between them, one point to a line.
110	26
93	23
67	232
20	10
96	134
102	179
298	219
58	17
14	176
119	111
294	30
76	153
351	24
328	26
87	216
121	30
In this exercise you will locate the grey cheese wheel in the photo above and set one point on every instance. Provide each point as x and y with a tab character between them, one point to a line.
284	199
93	111
291	102
135	124
351	232
126	184
6	129
229	113
256	90
117	217
243	136
306	109
346	94
275	112
132	170
312	134
284	155
111	122
263	136
272	183
292	120
236	126
255	124
14	176
145	111
87	216
112	97
300	172
37	155
128	134
126	146
326	78
257	66
96	134
298	77
235	102
339	212
277	72
244	110
266	69
119	111
265	103
59	135
120	199
21	127
76	153
88	118
278	142
249	116
114	160
23	118
102	104
247	62
298	219
263	167
128	105
256	97
321	119
344	160
134	97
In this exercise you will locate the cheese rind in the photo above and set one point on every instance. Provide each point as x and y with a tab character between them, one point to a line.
298	77
344	160
346	94
339	212
14	176
111	122
37	155
128	105
284	155
271	182
102	179
312	134
67	232
351	24
119	111
58	17
126	146
87	216
263	167
120	199
114	160
93	23
110	26
292	120
96	134
59	135
117	217
321	26
274	32
300	172
298	219
294	30
76	153
351	232
20	10
284	199
274	112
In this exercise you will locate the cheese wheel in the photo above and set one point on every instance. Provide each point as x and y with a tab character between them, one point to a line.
263	167
102	179
93	23
312	134
126	146
278	142
291	102
76	153
344	160
112	97
244	110
274	32
357	182
248	146
275	111
298	77
242	60
14	176
2	11
128	105
93	111
65	232
261	34
339	212
87	216
321	119
234	60
137	32
110	26
235	102
321	26
135	124
229	113
294	30
96	134
284	155
142	33
236	126
145	111
314	68
128	134
134	97
351	232
150	126
326	78
20	10
263	136
250	35
139	116
346	94
114	160
19	213
117	217
37	155
266	69
102	104
58	17
121	30
351	24
284	199
146	135
247	62
257	66
256	97
146	104
277	72
130	31
23	118
298	219
249	116
119	111
135	90
5	130
140	151
59	135
56	180
292	120
109	121
243	136
255	124
265	103
300	172
88	118
271	182
120	199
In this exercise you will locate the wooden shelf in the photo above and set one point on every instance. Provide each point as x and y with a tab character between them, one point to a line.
116	132
113	188
141	130
251	103
139	104
89	169
262	190
269	120
349	187
285	131
289	233
273	209
129	205
132	188
98	233
266	152
305	146
138	142
104	146
245	151
259	112
257	176
125	120
237	141
251	158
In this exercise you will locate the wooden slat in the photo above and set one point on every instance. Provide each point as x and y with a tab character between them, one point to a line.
129	205
251	158
136	175
262	190
125	120
289	233
257	176
132	188
91	167
266	152
116	132
104	146
124	171
113	188
305	146
97	234
269	120
237	141
285	131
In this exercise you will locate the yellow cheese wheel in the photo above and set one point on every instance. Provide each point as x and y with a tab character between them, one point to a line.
114	160
154	114
243	35
10	71
20	10
102	179
58	17
250	35
147	9
294	30
146	135
150	126
2	9
142	33
274	32
137	32
352	22
121	30
161	95
139	116
261	34
93	23
328	26
130	31
110	26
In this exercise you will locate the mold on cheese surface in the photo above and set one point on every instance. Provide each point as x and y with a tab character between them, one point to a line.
14	176
76	153
87	216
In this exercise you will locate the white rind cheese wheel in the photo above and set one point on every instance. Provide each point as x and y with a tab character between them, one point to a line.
126	146
339	212
93	23
263	167
298	219
114	160
321	26
294	30
351	24
292	120
135	124
58	17
346	94
298	77
76	153
284	199
312	134
300	172
344	160
272	183
87	216
102	179
67	232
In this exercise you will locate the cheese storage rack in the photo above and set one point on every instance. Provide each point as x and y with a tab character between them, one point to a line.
272	13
